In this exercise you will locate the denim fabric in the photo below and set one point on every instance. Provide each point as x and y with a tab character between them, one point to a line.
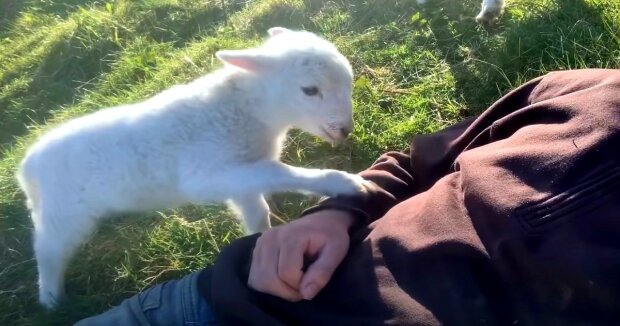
175	302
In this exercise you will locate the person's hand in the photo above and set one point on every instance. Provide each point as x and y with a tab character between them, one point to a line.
281	253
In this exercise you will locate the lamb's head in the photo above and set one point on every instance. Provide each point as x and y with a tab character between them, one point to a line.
307	80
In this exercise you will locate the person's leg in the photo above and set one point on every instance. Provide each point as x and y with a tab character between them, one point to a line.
175	302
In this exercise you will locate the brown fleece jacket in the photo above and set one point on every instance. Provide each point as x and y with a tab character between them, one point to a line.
508	218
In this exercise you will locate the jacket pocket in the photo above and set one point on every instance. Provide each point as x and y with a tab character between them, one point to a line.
577	200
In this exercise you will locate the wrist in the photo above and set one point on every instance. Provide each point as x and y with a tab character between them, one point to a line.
333	218
344	218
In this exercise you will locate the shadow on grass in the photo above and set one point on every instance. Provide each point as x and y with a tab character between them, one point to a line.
177	24
489	61
74	60
52	83
10	10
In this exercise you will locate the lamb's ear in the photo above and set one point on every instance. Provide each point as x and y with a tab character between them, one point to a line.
249	59
277	30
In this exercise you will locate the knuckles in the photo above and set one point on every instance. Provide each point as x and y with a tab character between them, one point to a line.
287	275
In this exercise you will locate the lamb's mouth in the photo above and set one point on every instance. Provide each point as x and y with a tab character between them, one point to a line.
333	140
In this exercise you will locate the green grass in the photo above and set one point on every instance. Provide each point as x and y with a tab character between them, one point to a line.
417	70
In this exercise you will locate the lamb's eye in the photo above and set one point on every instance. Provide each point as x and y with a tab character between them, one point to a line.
311	90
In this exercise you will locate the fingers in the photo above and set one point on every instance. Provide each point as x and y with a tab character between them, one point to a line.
277	266
291	260
321	270
264	274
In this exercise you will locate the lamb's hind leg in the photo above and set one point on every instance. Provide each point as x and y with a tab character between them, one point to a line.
254	211
56	239
490	12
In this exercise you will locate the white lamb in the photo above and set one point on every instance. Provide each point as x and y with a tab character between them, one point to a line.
215	139
489	13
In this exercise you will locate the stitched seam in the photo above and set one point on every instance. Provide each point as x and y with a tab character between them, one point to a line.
150	303
187	303
576	199
138	312
557	200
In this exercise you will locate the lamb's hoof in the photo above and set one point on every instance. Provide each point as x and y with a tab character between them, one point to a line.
346	184
367	188
370	187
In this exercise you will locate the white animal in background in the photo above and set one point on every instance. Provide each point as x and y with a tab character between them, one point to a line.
490	12
215	139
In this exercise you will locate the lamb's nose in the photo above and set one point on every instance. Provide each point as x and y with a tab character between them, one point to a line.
345	132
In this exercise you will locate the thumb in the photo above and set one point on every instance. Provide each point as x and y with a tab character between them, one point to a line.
320	271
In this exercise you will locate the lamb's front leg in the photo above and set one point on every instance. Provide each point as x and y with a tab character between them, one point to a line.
273	176
266	177
490	12
253	210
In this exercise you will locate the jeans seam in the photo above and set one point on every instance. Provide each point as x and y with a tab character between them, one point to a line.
189	304
136	307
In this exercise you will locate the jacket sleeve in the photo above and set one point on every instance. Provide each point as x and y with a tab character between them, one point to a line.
391	172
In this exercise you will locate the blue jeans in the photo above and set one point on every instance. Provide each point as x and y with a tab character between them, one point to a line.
175	302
